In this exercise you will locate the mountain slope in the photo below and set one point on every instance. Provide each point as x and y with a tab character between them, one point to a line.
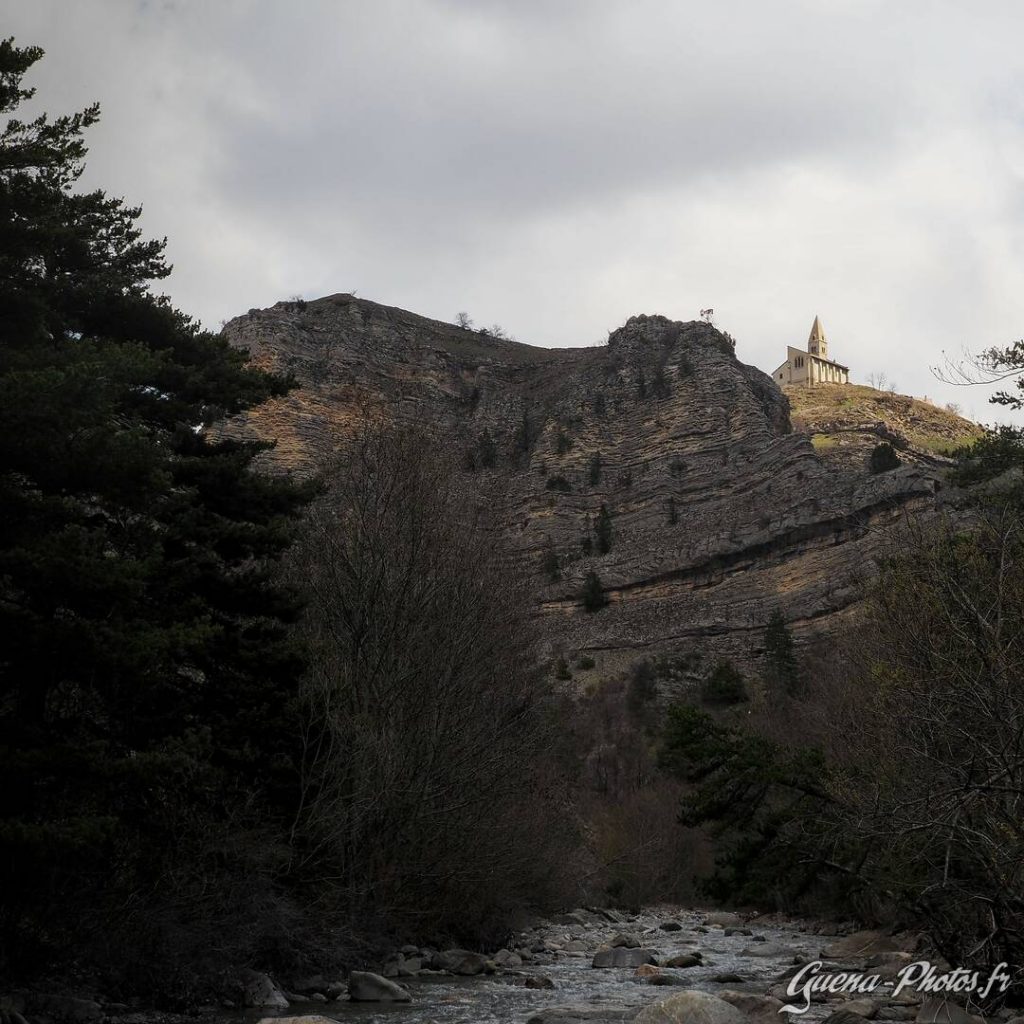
719	513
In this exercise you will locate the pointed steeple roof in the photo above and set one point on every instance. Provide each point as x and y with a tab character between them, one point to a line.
817	331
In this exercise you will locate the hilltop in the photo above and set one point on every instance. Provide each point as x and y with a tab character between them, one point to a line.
719	513
845	422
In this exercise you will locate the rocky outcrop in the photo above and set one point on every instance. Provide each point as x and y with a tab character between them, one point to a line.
718	513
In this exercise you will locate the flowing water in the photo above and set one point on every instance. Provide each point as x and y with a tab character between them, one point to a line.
501	999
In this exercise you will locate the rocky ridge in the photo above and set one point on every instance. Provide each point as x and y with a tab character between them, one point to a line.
719	513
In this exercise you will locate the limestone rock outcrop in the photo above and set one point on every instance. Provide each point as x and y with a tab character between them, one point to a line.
719	514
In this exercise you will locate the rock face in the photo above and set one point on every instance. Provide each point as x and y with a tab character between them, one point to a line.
719	513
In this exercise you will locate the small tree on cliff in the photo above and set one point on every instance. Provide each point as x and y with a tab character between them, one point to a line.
603	531
593	597
781	671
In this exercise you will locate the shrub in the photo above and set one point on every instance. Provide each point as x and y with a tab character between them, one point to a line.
603	531
585	662
487	450
549	562
725	685
642	686
562	669
593	597
557	483
884	458
594	472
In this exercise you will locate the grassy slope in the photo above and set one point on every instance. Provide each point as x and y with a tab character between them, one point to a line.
929	428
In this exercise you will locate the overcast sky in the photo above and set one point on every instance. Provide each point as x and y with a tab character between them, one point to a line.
558	166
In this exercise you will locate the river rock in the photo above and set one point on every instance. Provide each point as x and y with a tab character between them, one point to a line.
366	987
461	961
670	926
728	978
844	1015
506	959
627	940
664	978
581	1012
691	1008
723	919
762	1009
66	1008
896	1013
541	981
866	1008
258	990
684	960
941	1011
865	943
622	957
315	1018
766	949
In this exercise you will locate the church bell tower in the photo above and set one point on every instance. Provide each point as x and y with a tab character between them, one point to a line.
817	343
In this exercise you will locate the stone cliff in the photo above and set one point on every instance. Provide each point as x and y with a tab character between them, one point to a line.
719	514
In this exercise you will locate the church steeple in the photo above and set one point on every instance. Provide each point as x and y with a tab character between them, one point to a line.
817	343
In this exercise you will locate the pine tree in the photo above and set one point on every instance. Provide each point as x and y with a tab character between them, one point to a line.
146	673
593	597
781	670
603	531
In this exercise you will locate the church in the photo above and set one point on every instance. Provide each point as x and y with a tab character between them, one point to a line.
813	366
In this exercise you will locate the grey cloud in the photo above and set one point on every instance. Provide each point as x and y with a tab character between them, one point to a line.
559	165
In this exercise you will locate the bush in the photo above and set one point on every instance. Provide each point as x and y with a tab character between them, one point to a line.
883	458
593	597
562	669
642	687
418	615
725	685
603	531
594	472
584	663
557	483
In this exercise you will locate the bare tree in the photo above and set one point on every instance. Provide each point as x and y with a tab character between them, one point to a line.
464	320
429	791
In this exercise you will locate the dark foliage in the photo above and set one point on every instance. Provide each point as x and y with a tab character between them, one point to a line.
147	677
883	458
593	596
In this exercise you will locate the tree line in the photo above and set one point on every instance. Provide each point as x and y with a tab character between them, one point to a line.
219	746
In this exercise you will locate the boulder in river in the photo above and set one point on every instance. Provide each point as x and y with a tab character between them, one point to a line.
506	958
844	1015
691	1007
767	949
622	957
315	1018
627	940
942	1011
65	1008
258	990
759	1009
461	961
684	960
866	943
724	919
366	987
670	926
580	1012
